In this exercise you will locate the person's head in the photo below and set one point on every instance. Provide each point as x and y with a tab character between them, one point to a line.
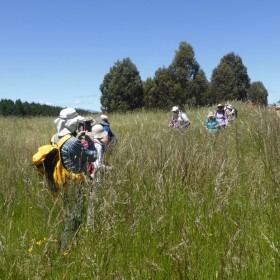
220	107
175	109
229	106
68	120
98	133
210	116
104	117
103	120
86	124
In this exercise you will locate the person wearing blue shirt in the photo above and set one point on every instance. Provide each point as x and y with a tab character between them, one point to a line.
104	121
212	124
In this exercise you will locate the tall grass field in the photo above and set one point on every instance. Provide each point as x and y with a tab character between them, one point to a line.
175	206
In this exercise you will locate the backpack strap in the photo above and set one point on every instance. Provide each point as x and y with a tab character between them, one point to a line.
60	141
63	140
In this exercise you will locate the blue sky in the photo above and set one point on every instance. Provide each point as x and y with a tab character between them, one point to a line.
57	52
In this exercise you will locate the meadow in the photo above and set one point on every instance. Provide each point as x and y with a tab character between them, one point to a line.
175	206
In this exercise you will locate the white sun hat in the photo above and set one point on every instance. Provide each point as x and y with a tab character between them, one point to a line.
98	131
68	121
175	108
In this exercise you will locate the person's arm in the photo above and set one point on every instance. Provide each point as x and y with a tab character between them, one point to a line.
88	155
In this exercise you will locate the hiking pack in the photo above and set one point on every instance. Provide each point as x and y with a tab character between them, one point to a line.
235	112
48	163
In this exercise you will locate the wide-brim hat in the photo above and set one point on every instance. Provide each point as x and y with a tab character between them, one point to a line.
68	119
210	114
220	105
104	117
69	114
98	131
174	109
103	122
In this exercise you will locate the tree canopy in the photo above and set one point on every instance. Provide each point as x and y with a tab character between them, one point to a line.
122	88
230	79
181	83
258	93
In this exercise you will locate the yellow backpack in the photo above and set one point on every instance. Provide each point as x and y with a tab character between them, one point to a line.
48	163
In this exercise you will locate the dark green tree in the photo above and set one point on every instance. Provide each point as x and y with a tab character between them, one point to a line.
19	108
7	107
222	83
184	69
149	93
223	86
163	91
258	93
180	83
122	88
200	88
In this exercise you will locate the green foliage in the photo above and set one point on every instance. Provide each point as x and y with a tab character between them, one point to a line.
258	93
122	88
230	79
163	91
200	88
184	65
175	206
181	83
17	108
223	83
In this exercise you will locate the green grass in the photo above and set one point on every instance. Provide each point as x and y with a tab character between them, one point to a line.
175	206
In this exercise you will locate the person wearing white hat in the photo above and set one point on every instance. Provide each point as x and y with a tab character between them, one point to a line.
104	121
179	119
100	139
230	112
75	158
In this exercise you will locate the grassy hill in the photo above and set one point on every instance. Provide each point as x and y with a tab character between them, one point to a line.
175	206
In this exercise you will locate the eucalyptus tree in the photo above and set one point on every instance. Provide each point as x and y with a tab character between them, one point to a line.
223	85
122	88
230	79
258	93
184	69
181	83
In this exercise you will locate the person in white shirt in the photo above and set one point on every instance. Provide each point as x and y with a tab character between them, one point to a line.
100	137
179	119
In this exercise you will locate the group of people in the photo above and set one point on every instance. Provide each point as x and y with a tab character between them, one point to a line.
220	119
215	121
83	153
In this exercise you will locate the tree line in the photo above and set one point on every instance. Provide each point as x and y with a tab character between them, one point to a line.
182	83
24	109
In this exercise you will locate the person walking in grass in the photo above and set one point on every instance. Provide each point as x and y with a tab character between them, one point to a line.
179	119
104	121
75	158
100	138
